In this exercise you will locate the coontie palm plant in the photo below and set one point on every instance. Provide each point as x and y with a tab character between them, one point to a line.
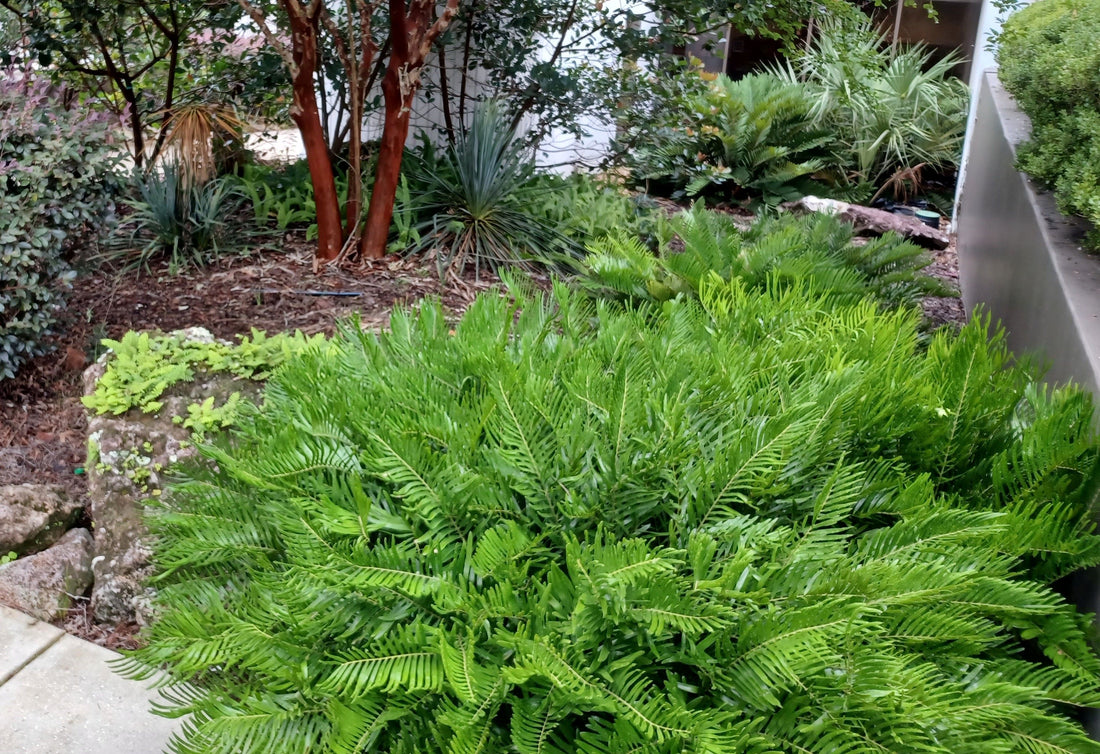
751	139
760	520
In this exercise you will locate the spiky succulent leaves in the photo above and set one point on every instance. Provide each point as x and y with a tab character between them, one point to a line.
815	251
727	524
475	202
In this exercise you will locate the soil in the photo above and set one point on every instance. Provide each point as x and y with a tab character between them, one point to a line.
42	422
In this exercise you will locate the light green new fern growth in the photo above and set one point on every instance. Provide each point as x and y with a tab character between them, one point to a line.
762	520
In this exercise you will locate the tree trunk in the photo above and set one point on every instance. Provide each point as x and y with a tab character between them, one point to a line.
304	113
412	34
395	130
136	130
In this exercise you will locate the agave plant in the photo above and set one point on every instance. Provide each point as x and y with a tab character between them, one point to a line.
475	201
890	111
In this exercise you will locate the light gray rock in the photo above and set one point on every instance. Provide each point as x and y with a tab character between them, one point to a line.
45	584
873	221
33	517
129	456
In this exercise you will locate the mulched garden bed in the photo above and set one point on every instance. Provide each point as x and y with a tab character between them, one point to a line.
42	422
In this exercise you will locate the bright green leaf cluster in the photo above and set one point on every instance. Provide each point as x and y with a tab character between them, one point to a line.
762	519
817	252
143	366
204	417
752	139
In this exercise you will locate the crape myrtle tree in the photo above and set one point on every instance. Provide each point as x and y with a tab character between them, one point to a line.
296	29
413	30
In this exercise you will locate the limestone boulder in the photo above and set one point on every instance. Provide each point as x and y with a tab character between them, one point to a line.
34	516
45	584
129	458
871	221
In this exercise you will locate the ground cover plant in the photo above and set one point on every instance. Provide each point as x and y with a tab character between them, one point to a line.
1050	61
769	517
817	252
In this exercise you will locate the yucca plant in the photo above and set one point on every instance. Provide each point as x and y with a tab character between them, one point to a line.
474	200
890	110
177	219
760	520
190	132
817	252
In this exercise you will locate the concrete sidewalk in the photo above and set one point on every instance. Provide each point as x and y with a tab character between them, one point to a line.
58	696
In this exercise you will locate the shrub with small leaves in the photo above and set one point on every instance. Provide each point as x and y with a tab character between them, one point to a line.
1050	61
57	178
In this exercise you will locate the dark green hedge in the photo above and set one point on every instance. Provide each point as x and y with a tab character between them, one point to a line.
1050	61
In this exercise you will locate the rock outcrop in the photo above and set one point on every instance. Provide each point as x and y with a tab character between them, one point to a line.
45	584
128	458
33	517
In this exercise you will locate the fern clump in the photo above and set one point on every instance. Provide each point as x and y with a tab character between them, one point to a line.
759	520
816	251
142	366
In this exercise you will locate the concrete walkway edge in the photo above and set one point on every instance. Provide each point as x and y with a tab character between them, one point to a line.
58	695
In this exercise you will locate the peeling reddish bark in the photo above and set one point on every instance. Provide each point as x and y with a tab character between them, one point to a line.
412	32
304	113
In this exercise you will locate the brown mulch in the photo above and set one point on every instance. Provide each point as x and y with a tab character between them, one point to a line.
79	621
945	311
42	422
41	419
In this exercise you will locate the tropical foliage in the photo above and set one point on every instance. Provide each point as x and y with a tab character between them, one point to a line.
891	112
816	252
767	518
282	196
58	182
586	208
747	139
1050	61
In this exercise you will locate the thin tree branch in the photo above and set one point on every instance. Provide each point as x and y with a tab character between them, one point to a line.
260	20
